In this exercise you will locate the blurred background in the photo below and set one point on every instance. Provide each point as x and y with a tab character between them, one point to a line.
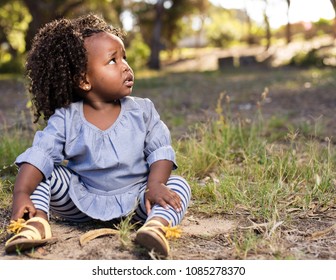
164	32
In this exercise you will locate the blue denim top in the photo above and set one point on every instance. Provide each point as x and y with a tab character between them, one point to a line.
109	166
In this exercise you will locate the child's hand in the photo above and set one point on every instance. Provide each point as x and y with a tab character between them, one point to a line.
162	195
22	205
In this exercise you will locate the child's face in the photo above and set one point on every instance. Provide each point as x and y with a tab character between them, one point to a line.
108	73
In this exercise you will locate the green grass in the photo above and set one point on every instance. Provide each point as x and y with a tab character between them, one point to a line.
234	164
12	143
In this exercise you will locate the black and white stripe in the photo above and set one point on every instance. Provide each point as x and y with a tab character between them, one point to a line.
53	194
175	183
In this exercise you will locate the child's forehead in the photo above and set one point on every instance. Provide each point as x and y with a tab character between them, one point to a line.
103	38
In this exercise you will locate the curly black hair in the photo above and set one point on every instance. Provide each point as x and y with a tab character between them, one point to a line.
57	62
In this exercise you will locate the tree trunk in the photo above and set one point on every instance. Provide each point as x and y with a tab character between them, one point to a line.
43	12
333	2
249	38
288	27
268	31
154	59
37	21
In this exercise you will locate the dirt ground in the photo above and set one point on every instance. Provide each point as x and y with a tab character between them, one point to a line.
311	235
217	237
202	238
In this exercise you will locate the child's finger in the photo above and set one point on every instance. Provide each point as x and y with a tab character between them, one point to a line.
148	206
177	202
31	210
163	203
178	207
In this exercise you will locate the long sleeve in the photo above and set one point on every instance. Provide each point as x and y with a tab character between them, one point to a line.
48	145
158	139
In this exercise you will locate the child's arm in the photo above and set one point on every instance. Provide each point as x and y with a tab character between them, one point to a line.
157	192
26	182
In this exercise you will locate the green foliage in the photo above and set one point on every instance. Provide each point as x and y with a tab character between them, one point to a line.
12	65
307	59
323	23
12	143
324	26
137	52
223	28
125	227
6	189
14	20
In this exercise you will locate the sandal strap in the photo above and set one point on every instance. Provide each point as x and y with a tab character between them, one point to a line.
33	231
46	226
149	226
31	234
153	223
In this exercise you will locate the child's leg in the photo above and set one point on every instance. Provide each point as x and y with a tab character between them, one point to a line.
53	193
175	183
36	231
152	235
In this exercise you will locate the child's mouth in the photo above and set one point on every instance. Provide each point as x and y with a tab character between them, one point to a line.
129	82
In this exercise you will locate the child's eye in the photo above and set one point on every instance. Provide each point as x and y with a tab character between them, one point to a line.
125	59
112	61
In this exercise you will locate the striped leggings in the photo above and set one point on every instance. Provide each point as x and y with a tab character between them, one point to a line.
53	194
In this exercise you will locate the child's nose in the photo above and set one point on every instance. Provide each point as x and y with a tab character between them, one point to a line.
126	67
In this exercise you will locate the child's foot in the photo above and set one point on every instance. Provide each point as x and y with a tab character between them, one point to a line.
32	233
152	237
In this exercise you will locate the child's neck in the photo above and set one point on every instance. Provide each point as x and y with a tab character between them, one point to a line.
102	105
101	114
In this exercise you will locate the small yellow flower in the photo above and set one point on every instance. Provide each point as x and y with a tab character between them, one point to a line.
15	226
172	232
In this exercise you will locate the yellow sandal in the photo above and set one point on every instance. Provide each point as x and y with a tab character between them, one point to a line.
28	238
153	236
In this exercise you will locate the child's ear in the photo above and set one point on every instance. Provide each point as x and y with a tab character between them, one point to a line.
83	84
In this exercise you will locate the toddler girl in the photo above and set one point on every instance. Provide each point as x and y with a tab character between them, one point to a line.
117	151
